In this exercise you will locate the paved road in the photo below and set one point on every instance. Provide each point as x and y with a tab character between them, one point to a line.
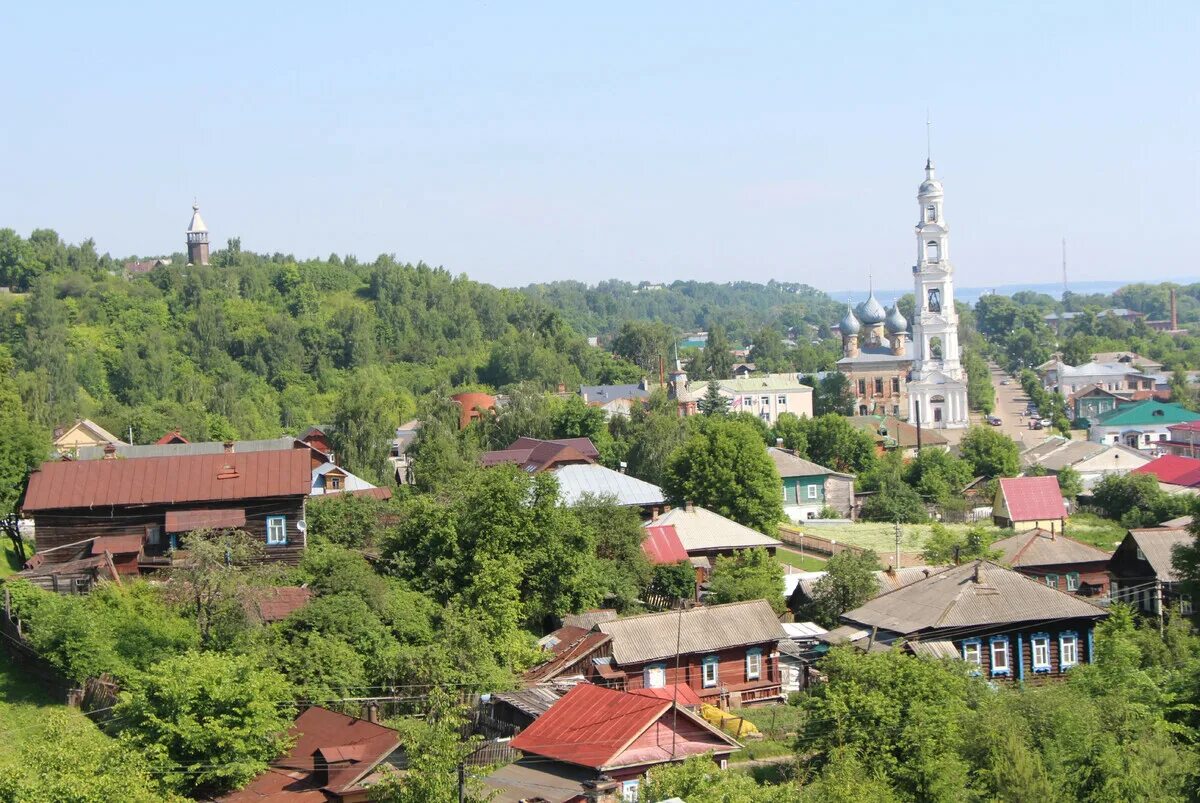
1010	406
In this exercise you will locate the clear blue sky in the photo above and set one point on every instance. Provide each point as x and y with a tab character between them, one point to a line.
525	142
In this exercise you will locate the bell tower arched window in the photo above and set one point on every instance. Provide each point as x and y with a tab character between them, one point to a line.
931	214
931	251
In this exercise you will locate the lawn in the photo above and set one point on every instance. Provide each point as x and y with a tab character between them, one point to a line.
778	725
1091	529
805	562
881	536
9	562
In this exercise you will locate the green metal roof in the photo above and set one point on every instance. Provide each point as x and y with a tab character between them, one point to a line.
1146	413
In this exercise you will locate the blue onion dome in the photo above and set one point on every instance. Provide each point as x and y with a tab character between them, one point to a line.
895	323
849	324
871	311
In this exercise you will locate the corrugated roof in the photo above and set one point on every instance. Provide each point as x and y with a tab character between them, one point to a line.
700	529
1173	469
1147	413
678	692
533	701
1044	548
533	454
896	432
126	450
607	393
61	485
567	652
662	545
117	544
756	384
958	597
580	479
1158	545
1032	498
704	629
588	619
886	579
592	726
788	464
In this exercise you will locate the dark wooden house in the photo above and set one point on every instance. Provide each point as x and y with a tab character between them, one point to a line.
1057	561
1007	626
1142	572
157	501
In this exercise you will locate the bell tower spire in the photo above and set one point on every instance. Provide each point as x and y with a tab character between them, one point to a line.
197	238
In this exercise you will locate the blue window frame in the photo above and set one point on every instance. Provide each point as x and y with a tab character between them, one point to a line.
972	653
1001	655
1052	580
656	676
754	663
709	674
1068	649
276	530
1039	650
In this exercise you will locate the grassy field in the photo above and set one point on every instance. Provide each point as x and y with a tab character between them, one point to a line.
9	562
778	724
1091	529
805	563
881	536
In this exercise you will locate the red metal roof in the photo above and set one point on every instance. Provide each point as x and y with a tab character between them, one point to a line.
174	436
684	694
1186	426
278	602
662	544
1173	469
590	725
1033	498
117	544
168	480
533	454
184	521
355	744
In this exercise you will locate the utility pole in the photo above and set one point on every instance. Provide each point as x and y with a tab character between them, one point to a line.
462	782
897	563
1158	604
675	686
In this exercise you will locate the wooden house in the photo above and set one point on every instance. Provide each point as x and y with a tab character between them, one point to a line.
1007	626
1143	574
596	744
1057	561
335	759
1026	503
157	501
808	488
83	432
728	654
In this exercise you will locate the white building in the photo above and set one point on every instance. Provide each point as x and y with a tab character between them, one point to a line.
937	393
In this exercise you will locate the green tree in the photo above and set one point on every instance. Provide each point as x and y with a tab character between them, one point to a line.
714	402
849	582
23	444
835	443
725	468
746	575
209	721
698	779
894	501
365	424
990	453
718	361
1069	482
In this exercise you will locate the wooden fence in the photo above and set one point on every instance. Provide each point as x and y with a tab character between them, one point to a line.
806	542
33	665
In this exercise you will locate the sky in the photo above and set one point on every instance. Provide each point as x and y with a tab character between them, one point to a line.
525	142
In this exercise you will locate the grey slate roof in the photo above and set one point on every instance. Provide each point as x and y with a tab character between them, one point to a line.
700	529
533	701
1157	544
789	464
598	394
954	597
886	580
177	449
577	480
1044	548
589	619
705	629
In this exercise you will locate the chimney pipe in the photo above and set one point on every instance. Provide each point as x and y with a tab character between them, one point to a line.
779	443
688	507
228	447
371	712
978	571
110	451
1174	312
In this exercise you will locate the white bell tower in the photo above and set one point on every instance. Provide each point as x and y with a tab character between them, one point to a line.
937	376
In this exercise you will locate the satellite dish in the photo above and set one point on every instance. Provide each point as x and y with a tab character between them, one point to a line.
302	525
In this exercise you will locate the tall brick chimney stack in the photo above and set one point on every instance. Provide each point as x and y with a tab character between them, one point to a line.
1174	312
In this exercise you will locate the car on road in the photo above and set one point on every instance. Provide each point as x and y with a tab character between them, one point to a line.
994	420
1034	424
1046	423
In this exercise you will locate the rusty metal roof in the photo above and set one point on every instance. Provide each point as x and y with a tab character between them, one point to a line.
662	545
68	485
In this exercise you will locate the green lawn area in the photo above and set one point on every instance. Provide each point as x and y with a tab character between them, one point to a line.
9	562
1091	529
881	536
778	724
23	708
806	563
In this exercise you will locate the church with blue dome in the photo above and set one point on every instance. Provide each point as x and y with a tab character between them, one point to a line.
913	373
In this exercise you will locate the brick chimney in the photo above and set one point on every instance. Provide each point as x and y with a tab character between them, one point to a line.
1174	312
978	576
228	447
688	507
110	451
371	712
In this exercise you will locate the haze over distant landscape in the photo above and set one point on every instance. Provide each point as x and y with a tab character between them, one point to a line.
521	144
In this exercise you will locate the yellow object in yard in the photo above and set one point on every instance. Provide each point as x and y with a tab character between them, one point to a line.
735	726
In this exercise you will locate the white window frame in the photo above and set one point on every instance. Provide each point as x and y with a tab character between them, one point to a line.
1073	581
1068	649
781	401
765	400
278	524
1002	643
1052	580
812	491
1040	643
651	671
754	663
1185	604
710	662
972	652
630	791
